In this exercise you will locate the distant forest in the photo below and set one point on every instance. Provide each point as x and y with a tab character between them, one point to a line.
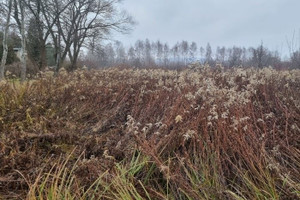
71	33
150	54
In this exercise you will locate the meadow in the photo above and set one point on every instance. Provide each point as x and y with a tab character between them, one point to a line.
126	134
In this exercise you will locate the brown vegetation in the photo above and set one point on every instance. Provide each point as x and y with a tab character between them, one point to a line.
199	133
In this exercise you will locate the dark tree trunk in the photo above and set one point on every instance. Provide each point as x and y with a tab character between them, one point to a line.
43	56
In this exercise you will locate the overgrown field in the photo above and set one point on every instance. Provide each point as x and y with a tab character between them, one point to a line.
198	133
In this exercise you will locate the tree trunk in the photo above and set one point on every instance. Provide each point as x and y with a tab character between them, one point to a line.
64	54
23	57
23	42
74	62
74	57
57	54
43	55
4	56
5	36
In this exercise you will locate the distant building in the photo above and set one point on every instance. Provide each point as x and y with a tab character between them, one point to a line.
50	52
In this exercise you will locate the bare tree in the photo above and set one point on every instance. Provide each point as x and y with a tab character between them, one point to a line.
120	53
159	52
244	56
5	36
82	18
139	48
148	54
175	52
202	51
44	14
235	56
294	51
111	55
19	16
166	54
208	54
220	55
193	51
259	56
132	56
295	59
184	47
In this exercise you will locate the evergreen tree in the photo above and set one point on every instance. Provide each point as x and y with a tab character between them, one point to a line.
33	42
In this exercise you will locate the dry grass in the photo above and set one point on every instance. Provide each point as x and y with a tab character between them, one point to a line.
199	133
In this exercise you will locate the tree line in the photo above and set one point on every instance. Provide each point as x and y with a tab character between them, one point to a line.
146	53
49	32
69	25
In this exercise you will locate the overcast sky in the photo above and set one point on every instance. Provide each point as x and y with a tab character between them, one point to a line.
219	22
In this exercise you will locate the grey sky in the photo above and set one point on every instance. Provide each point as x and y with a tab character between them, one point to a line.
220	22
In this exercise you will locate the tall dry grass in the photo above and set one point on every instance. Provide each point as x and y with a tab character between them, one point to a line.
198	133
